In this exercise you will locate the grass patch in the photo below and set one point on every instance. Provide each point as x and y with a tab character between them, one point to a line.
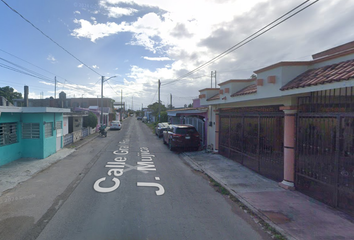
269	229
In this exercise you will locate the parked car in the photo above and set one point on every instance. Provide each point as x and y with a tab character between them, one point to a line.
181	136
144	119
139	118
160	128
116	125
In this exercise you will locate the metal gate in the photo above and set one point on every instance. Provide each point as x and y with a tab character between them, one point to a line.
254	137
199	125
325	148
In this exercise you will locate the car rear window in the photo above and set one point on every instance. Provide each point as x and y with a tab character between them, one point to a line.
185	130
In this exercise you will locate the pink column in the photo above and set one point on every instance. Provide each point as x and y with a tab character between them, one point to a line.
217	120
289	147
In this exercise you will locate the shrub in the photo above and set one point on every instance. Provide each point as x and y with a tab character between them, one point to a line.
90	120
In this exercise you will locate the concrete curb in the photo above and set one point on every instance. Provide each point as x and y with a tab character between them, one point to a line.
259	214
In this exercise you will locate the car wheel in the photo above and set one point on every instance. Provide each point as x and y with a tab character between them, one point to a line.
170	146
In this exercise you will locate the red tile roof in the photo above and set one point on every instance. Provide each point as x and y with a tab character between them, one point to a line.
332	73
215	97
247	90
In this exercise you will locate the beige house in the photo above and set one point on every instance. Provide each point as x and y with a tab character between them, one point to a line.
294	124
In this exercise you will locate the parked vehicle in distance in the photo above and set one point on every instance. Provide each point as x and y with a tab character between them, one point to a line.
160	128
116	125
139	118
144	119
181	136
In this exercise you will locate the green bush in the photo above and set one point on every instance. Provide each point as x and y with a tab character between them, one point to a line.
90	120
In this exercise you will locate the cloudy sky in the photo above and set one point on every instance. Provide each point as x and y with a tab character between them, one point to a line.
142	41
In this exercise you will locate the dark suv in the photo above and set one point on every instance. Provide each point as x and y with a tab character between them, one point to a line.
181	136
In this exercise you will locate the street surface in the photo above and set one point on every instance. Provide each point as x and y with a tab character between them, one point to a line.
126	186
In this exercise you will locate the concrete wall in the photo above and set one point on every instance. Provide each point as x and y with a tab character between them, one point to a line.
29	148
9	153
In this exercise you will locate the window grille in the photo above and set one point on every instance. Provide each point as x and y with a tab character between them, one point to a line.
48	129
58	125
30	130
8	133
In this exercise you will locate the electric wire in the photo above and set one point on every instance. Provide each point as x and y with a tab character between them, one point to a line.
49	79
20	71
49	37
33	73
248	39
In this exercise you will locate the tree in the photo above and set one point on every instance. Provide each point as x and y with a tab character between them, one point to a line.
253	76
90	120
164	117
155	109
9	93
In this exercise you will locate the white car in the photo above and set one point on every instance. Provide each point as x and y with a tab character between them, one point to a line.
116	125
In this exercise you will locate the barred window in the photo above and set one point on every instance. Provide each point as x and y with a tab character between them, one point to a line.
58	125
48	129
8	133
30	130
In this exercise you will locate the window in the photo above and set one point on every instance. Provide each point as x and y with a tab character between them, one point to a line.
58	125
48	129
8	133
185	130
30	130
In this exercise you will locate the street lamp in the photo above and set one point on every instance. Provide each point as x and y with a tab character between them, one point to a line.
103	80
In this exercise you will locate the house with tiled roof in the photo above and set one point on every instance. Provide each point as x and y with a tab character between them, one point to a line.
294	123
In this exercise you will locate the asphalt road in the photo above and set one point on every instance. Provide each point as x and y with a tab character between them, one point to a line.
133	187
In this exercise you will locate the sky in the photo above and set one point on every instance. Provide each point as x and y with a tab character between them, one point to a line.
135	43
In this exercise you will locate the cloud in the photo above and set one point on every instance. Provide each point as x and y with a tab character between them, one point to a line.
51	59
157	58
189	37
77	12
96	31
95	67
115	11
80	66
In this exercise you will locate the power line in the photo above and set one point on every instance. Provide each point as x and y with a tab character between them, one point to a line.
49	37
153	97
112	88
248	39
43	76
32	64
20	71
33	73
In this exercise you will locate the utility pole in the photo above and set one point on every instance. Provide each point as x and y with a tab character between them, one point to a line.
170	101
55	87
215	78
159	99
101	118
102	81
121	104
132	103
213	75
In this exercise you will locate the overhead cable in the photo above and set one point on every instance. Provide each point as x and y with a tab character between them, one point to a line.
49	37
253	36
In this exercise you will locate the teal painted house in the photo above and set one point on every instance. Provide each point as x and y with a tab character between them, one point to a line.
30	132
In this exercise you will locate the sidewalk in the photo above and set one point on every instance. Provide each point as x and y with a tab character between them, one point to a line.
291	213
23	169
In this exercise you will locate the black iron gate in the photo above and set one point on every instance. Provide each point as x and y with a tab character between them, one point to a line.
254	137
325	148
